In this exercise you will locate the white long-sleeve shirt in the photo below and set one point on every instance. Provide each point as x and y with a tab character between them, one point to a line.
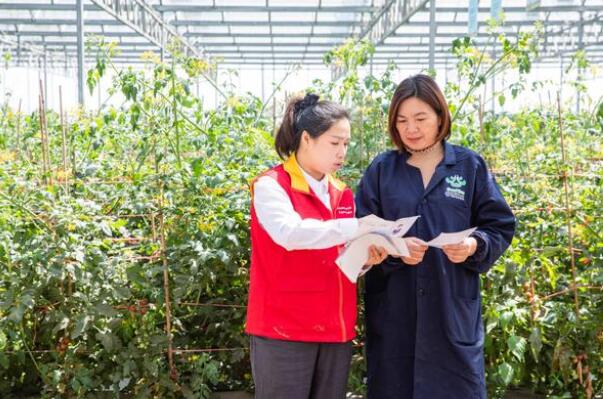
286	227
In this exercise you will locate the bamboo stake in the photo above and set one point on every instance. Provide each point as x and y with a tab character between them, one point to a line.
569	211
41	117
166	289
166	276
153	227
45	129
63	137
18	131
44	134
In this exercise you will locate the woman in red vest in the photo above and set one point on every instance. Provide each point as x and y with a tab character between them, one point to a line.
301	313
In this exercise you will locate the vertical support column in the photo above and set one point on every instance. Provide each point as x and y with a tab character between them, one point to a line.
263	85
561	72
80	51
45	69
66	71
217	84
432	34
273	98
472	14
163	43
18	50
580	70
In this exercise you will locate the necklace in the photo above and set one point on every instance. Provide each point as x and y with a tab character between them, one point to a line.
429	148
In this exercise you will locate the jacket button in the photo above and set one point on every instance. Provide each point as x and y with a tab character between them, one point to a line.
424	201
421	292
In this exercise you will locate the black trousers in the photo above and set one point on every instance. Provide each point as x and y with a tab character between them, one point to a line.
299	370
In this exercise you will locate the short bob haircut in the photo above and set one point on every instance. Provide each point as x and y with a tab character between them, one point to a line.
425	89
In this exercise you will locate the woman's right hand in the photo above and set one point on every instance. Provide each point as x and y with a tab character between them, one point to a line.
416	249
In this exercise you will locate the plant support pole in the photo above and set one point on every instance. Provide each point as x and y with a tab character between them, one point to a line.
166	274
63	137
18	132
568	210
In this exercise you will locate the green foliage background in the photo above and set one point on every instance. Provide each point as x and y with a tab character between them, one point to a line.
157	188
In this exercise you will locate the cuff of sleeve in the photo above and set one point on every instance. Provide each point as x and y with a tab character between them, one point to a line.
348	227
480	251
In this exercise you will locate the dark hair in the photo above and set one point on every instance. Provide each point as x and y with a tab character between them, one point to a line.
425	89
306	114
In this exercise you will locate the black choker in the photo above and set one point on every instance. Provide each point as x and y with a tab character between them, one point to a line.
429	148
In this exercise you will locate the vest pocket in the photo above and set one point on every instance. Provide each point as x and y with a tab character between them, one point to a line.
305	270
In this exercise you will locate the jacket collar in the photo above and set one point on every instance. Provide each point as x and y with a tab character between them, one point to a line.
298	181
449	154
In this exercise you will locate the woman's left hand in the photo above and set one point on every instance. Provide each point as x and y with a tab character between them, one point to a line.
458	253
376	256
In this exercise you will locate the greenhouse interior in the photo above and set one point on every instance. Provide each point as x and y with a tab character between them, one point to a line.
132	132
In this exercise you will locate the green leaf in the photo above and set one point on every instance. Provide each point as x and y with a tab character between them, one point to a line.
505	319
109	341
505	372
16	315
105	310
106	229
4	363
2	340
491	324
535	342
61	325
81	325
92	80
550	269
517	346
135	274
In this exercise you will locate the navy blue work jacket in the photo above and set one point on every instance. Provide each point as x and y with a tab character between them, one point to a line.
424	330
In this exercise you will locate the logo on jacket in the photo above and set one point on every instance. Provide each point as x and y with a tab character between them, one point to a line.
454	187
344	211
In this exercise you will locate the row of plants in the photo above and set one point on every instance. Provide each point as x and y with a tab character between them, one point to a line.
124	264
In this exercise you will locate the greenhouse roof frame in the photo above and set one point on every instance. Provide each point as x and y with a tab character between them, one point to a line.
274	32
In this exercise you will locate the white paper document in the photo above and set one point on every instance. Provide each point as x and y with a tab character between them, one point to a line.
374	224
450	238
378	232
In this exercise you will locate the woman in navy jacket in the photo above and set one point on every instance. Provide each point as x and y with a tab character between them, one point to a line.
424	331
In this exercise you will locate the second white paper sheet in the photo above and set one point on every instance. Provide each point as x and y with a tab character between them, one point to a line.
450	238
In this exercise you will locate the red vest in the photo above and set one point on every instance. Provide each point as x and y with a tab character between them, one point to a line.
301	295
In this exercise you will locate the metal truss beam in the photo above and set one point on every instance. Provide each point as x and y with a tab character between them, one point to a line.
21	47
186	8
139	16
414	60
563	40
588	40
360	9
122	35
391	16
403	53
267	8
190	23
185	34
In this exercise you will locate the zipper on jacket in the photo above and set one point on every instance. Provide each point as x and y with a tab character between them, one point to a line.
341	318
